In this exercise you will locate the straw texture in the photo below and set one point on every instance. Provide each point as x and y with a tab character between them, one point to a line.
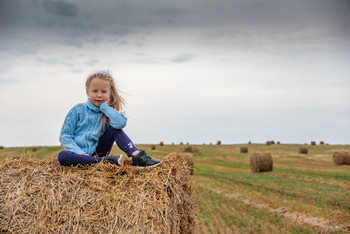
260	162
42	197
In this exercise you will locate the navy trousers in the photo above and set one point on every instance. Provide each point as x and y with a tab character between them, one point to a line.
105	144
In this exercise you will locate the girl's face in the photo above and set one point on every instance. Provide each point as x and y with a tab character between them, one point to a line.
99	91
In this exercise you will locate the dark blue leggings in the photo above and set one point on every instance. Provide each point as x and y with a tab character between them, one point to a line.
105	144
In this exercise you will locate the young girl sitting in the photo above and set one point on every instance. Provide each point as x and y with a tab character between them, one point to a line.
91	128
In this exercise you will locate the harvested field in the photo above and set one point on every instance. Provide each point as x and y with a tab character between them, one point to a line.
39	196
305	193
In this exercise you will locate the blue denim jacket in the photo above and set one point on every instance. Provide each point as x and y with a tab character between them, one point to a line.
82	127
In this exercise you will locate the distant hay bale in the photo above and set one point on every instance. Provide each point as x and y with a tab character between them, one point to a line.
210	143
153	147
218	143
303	150
268	142
188	157
341	158
249	142
1	147
191	149
260	162
161	143
278	142
181	143
43	197
321	142
313	142
34	149
243	149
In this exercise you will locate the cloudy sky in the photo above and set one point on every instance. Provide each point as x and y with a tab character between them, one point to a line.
191	71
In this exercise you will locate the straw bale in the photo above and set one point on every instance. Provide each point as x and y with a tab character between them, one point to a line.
1	147
188	157
243	149
34	149
303	150
341	158
321	142
268	142
191	149
260	162
313	142
40	196
161	143
153	147
218	143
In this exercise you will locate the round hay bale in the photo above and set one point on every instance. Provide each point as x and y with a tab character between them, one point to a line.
278	142
40	196
34	149
260	162
321	142
181	143
188	157
1	147
218	143
268	142
249	142
341	158
303	150
243	149
161	143
191	149
153	147
313	142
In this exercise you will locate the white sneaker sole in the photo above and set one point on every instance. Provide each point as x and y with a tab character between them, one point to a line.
122	159
148	167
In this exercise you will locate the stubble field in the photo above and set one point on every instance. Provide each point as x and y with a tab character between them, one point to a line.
305	193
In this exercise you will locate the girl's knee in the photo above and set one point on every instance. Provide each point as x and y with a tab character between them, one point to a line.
63	157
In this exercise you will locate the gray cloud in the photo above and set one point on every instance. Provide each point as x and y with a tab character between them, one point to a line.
61	8
182	58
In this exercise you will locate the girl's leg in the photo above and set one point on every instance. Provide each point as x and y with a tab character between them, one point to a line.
68	158
112	135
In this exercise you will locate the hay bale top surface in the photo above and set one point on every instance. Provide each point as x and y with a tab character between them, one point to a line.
38	196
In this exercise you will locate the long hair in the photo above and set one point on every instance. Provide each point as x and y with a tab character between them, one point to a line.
116	101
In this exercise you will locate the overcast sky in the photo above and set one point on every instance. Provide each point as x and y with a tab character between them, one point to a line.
191	71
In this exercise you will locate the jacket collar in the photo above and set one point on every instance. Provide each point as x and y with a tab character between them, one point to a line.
92	106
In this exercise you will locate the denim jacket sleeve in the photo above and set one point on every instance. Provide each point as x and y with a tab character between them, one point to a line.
67	132
116	119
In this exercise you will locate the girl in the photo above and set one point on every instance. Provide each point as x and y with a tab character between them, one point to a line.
91	128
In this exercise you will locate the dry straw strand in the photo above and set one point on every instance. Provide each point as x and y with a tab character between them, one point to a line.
188	157
40	196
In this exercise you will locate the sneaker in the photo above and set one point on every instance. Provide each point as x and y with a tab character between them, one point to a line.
117	160
142	160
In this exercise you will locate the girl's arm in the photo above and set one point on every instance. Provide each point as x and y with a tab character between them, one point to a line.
116	119
67	131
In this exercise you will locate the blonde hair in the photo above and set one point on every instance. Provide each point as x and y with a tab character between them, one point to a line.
116	101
